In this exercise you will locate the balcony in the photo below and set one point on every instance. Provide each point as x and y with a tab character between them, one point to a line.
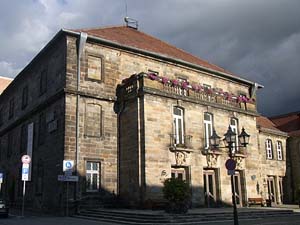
196	93
183	143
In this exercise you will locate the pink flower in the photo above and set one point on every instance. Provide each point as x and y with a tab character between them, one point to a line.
184	85
164	80
152	76
175	82
195	87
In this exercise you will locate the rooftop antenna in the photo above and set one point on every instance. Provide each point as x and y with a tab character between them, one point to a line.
132	23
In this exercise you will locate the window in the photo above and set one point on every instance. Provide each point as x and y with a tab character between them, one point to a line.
9	145
178	125
11	108
279	150
179	173
1	117
94	67
42	128
269	149
208	128
234	128
93	120
92	176
25	97
23	147
40	178
43	82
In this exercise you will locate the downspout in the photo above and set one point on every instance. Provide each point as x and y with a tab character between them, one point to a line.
80	46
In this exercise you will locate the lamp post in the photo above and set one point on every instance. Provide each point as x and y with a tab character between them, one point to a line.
230	143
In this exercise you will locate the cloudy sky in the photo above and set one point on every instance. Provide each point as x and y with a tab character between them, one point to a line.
258	40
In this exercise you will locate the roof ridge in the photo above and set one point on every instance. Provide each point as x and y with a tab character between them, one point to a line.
285	115
8	78
97	28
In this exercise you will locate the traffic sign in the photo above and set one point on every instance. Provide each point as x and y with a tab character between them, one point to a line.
67	178
26	159
231	172
68	165
230	164
25	171
1	177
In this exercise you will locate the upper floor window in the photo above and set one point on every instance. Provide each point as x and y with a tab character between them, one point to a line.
11	108
279	150
208	128
95	67
43	82
234	128
269	149
1	116
93	120
24	97
42	129
178	125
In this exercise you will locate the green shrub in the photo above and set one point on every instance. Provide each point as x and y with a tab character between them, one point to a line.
177	192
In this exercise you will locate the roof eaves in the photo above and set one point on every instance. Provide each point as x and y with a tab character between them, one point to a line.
165	57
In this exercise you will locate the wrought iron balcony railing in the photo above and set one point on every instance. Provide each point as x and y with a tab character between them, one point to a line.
183	141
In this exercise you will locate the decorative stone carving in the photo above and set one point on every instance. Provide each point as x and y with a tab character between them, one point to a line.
180	158
211	160
239	163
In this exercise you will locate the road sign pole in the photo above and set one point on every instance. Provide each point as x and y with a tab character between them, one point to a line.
23	203
67	207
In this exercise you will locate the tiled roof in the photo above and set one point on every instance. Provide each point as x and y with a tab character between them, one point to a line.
266	123
134	38
289	123
4	82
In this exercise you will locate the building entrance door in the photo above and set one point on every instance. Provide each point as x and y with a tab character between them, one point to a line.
271	189
238	189
209	177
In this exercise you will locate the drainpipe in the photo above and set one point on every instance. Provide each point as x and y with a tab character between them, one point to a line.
80	46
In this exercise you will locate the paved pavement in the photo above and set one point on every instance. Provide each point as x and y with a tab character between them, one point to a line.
32	218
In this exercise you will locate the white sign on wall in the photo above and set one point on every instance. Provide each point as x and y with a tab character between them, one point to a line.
25	172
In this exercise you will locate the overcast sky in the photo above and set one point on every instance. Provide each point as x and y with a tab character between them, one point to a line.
257	40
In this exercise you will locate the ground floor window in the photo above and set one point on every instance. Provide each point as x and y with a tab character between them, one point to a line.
92	176
180	173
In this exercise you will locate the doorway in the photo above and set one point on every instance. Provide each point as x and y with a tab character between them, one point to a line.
210	188
271	189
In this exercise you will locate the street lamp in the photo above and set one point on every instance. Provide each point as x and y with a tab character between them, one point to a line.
230	143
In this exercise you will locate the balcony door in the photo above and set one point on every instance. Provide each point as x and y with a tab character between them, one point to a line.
178	126
238	189
210	193
271	189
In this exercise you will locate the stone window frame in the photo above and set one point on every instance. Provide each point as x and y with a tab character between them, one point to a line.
11	108
101	120
269	149
182	123
235	129
43	81
279	150
102	78
24	97
206	123
101	172
1	117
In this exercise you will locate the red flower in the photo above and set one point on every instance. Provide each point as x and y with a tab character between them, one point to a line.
164	80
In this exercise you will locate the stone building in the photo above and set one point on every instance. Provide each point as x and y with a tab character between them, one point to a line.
272	143
130	111
4	82
290	123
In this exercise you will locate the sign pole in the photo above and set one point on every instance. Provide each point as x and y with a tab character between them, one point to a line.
23	203
67	210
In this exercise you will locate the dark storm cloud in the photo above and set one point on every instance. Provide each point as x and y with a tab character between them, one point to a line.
257	40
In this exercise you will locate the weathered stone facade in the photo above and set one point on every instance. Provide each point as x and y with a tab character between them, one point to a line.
126	144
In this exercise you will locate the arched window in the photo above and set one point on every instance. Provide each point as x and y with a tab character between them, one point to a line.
208	128
234	127
269	149
178	125
279	150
